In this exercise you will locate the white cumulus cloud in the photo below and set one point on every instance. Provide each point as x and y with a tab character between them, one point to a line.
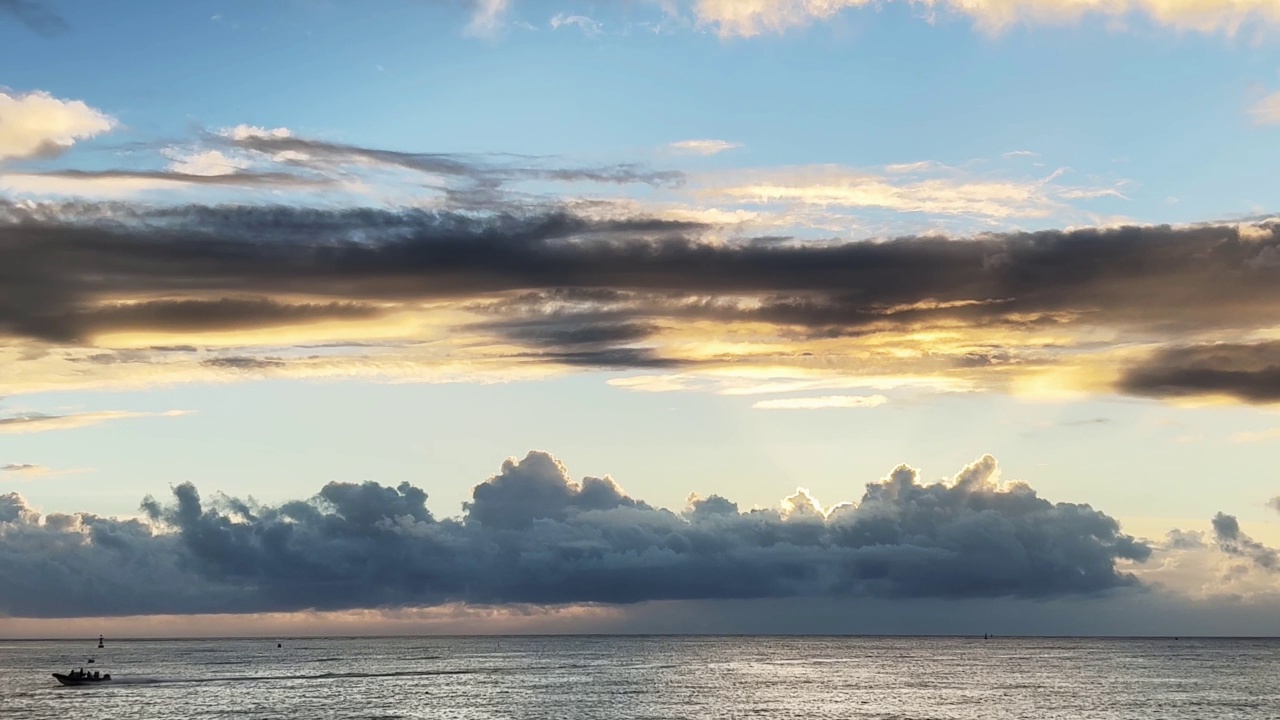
209	163
39	124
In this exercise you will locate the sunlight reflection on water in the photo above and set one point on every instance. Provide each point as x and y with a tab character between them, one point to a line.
648	677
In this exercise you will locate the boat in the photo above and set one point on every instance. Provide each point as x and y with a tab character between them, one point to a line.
80	677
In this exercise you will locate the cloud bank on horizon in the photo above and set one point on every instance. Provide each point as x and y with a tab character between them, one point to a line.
531	535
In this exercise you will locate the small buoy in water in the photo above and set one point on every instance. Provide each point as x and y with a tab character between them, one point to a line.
279	645
99	641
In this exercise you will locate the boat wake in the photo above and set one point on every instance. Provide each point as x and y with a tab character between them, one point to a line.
406	674
135	680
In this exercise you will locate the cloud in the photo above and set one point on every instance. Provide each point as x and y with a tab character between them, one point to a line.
38	124
244	132
748	18
29	470
1267	110
589	27
39	422
286	147
207	163
823	402
487	17
295	169
914	167
739	381
124	183
1232	541
412	290
1245	372
1222	564
239	163
191	315
1258	436
243	363
532	536
919	187
24	468
34	14
704	147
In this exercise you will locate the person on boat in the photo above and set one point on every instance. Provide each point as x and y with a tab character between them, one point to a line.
95	674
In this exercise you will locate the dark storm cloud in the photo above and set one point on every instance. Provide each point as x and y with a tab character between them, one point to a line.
59	277
530	535
1155	276
34	14
58	565
1250	373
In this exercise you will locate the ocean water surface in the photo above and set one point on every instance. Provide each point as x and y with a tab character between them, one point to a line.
647	677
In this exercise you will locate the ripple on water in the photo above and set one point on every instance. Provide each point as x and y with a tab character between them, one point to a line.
613	678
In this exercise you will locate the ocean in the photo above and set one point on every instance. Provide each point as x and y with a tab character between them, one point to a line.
651	677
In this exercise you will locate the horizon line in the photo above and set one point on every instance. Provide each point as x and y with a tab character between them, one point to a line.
988	636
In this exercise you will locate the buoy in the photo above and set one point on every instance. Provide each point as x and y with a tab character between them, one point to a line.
279	645
99	641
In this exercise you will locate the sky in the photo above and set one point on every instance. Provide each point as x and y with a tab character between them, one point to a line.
468	316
